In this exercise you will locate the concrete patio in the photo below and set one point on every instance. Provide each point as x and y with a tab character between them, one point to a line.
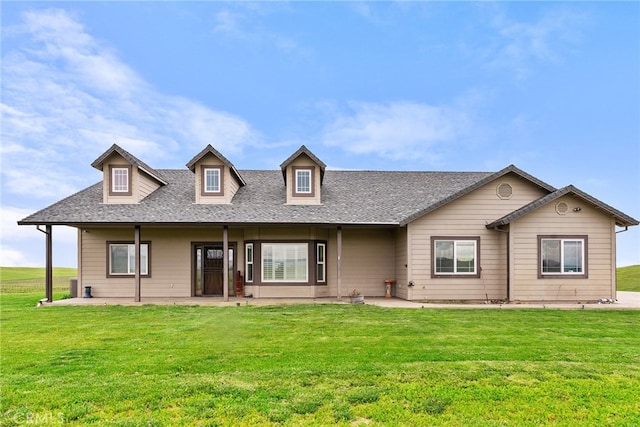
626	300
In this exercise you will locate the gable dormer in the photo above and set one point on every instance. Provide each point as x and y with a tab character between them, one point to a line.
217	180
126	179
303	173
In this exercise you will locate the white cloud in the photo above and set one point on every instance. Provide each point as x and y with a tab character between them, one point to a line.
399	130
12	258
25	246
67	97
521	45
245	27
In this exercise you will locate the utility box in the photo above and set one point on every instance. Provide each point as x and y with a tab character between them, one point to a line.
73	288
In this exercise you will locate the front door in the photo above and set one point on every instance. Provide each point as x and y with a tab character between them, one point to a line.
209	270
212	270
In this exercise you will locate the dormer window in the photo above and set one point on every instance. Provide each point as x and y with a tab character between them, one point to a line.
120	180
211	180
303	181
303	173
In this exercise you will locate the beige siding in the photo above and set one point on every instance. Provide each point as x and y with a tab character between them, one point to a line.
303	161
368	259
467	216
170	260
590	222
146	185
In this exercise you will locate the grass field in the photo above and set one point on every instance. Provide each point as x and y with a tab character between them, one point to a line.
31	279
629	278
312	364
316	365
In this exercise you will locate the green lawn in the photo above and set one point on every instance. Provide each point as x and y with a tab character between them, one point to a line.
316	365
629	278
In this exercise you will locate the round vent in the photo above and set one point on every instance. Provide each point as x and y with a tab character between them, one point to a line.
505	190
562	208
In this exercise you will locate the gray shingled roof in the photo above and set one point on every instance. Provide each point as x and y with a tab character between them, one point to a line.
621	219
348	197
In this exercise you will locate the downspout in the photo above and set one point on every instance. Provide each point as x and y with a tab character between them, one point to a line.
622	231
508	261
48	282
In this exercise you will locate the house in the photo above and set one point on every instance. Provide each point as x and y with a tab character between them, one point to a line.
306	231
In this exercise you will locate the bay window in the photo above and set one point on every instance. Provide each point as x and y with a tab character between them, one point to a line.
285	262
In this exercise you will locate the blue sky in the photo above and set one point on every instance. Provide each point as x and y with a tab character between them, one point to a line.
551	87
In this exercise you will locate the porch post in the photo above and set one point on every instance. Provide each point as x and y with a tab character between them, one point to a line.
137	261
225	263
49	265
339	239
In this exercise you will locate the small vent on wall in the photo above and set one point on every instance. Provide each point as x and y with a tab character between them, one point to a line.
562	208
504	191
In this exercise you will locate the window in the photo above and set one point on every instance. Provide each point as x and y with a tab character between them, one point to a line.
122	259
321	263
303	181
211	180
564	256
120	180
455	256
285	262
248	271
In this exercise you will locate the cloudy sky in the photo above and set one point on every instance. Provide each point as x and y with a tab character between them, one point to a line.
551	87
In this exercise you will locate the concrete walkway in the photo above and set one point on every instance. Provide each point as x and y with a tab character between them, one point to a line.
626	300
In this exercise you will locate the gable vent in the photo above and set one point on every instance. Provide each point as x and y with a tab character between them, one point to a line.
504	191
562	208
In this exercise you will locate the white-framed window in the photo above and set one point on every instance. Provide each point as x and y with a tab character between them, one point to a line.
303	181
455	256
562	255
285	262
248	260
321	262
122	259
120	179
212	180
